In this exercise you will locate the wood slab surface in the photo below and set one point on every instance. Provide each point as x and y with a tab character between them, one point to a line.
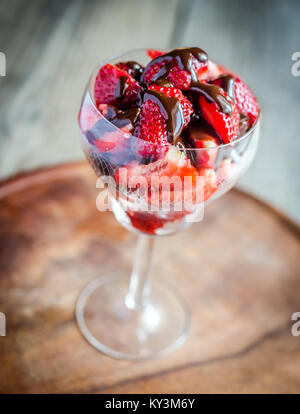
239	271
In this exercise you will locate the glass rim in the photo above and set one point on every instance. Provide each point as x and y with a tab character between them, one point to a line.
120	54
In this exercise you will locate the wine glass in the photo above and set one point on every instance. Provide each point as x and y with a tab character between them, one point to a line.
128	315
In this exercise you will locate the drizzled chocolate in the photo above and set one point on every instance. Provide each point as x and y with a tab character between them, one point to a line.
121	87
244	124
185	58
121	119
128	118
170	107
171	110
227	84
134	69
212	93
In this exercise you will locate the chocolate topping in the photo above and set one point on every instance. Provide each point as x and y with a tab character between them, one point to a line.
227	84
121	87
128	117
185	60
244	124
171	110
134	69
212	93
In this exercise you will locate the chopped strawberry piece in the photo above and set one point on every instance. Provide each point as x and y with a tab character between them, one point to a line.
180	79
152	53
134	69
245	100
152	128
227	126
187	107
114	86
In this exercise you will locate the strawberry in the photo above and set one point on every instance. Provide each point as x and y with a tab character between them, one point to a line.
134	69
152	53
187	107
116	87
181	79
152	128
245	100
226	126
203	138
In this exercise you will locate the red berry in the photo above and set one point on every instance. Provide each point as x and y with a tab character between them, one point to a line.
187	107
226	126
152	128
152	53
181	79
116	87
245	100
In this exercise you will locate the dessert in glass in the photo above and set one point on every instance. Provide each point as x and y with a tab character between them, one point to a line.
167	131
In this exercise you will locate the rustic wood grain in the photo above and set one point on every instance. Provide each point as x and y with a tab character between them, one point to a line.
238	270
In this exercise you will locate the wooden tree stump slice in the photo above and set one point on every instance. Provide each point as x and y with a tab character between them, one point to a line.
239	271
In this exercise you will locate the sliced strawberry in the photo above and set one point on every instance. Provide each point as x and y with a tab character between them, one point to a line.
245	100
227	126
152	129
152	53
134	69
180	79
203	138
184	182
187	107
114	86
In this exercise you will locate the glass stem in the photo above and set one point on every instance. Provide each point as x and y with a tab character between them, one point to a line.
139	286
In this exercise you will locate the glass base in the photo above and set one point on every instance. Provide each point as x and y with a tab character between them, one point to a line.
109	321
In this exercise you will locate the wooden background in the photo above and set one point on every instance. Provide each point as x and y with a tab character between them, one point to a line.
51	47
239	275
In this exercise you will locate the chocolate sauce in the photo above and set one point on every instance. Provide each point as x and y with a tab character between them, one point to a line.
212	93
243	124
171	110
198	130
134	69
121	87
128	117
227	84
111	112
185	60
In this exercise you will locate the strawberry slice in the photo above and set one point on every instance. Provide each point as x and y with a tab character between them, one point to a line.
153	53
187	107
152	129
115	86
245	100
134	69
227	126
180	79
174	166
203	138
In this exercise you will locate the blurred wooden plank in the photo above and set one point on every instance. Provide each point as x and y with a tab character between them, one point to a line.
238	273
50	58
256	39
